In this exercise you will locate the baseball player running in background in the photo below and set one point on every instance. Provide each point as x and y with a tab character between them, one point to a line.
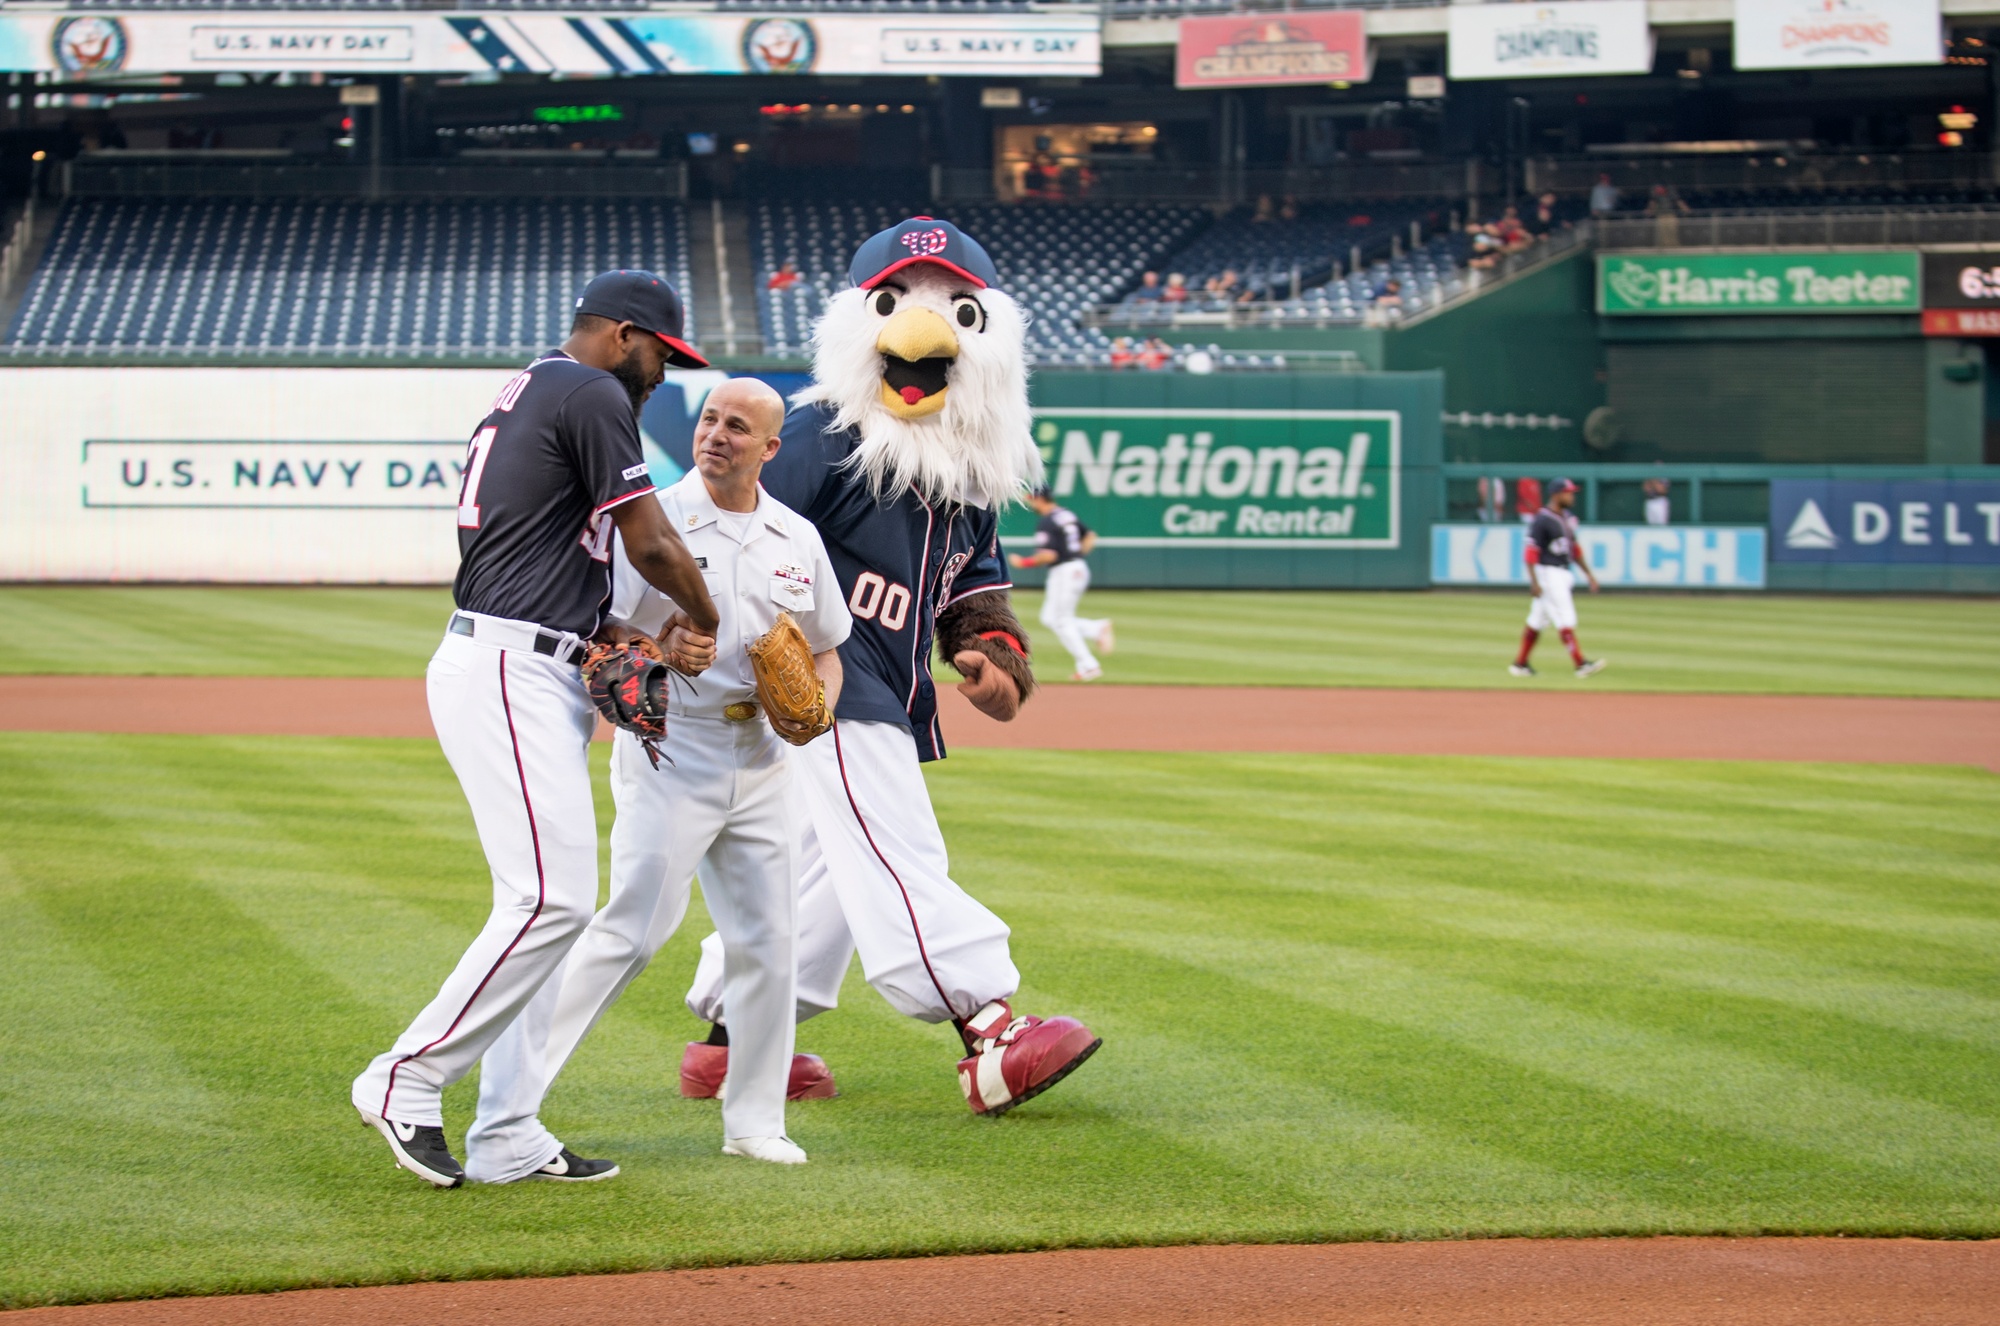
1062	542
551	470
1552	546
719	798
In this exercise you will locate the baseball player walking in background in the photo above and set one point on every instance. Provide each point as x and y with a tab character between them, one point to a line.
1062	542
719	797
1552	546
549	473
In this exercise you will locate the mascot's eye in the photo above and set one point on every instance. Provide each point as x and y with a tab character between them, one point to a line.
969	313
885	303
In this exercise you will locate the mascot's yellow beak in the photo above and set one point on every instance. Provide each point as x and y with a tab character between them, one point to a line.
917	349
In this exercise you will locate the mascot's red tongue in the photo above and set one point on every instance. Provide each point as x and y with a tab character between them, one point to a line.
911	395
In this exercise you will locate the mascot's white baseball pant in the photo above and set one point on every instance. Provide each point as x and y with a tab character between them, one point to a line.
874	876
515	726
723	805
1060	596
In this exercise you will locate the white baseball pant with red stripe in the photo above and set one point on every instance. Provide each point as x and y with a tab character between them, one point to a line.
516	727
874	876
719	802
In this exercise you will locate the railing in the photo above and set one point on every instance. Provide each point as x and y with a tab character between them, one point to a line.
19	241
100	176
1149	183
1733	228
1806	173
1713	494
1415	307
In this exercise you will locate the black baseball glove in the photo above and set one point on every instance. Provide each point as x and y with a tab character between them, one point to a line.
628	684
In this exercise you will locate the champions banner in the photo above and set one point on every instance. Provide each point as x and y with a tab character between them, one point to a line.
1015	44
1273	50
1560	40
1834	34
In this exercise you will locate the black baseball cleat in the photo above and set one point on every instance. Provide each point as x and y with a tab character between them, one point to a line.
569	1167
420	1149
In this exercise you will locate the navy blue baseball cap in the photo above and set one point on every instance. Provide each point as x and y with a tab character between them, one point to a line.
921	239
646	300
1561	486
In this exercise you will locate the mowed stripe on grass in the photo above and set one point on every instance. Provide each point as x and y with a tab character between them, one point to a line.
1767	644
1342	997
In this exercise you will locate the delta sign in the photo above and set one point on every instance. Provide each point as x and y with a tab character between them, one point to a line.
1952	522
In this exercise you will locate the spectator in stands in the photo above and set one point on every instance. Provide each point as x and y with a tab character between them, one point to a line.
1149	291
1492	499
1527	499
1542	220
1288	210
1486	245
785	277
1222	288
1665	207
1603	197
1155	355
1266	210
1513	236
1176	291
1122	353
1391	294
1659	509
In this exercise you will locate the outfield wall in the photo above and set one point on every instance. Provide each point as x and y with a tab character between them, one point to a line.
349	475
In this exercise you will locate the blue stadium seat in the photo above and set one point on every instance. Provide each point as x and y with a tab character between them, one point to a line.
308	277
1056	262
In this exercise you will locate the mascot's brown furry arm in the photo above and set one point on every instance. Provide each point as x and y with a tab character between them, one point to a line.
983	623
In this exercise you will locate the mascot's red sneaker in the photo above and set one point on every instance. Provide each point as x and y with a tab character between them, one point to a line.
1016	1059
704	1066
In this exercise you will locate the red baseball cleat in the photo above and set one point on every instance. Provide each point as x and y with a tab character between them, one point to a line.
704	1066
1015	1059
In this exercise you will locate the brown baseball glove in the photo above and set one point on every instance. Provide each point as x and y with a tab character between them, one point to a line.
787	683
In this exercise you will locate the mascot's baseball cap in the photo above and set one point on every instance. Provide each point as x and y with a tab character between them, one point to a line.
921	239
1561	486
645	300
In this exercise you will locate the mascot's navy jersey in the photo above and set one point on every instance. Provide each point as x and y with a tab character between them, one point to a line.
899	564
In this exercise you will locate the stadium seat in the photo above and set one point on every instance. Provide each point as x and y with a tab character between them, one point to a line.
1057	262
244	277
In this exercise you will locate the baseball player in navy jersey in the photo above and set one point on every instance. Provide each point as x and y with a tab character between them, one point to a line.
914	430
1552	546
1062	542
550	473
719	798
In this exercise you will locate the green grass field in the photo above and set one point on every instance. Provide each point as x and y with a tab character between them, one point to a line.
1752	643
1342	998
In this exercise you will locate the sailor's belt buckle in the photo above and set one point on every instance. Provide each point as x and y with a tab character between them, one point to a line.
740	712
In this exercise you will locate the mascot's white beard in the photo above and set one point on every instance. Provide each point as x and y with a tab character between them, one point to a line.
980	448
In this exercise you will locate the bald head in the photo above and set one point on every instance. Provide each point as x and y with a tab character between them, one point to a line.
737	432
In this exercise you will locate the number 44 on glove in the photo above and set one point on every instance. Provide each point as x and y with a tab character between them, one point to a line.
788	685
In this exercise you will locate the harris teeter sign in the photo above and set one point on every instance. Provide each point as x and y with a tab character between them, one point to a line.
1710	284
1224	478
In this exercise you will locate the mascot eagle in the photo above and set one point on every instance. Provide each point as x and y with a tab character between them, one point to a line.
911	438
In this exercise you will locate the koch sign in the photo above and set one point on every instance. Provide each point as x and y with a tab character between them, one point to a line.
1558	40
1223	478
1273	50
1937	521
1711	284
1626	556
1831	34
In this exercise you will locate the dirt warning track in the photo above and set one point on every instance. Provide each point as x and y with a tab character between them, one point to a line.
1497	1282
1579	723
